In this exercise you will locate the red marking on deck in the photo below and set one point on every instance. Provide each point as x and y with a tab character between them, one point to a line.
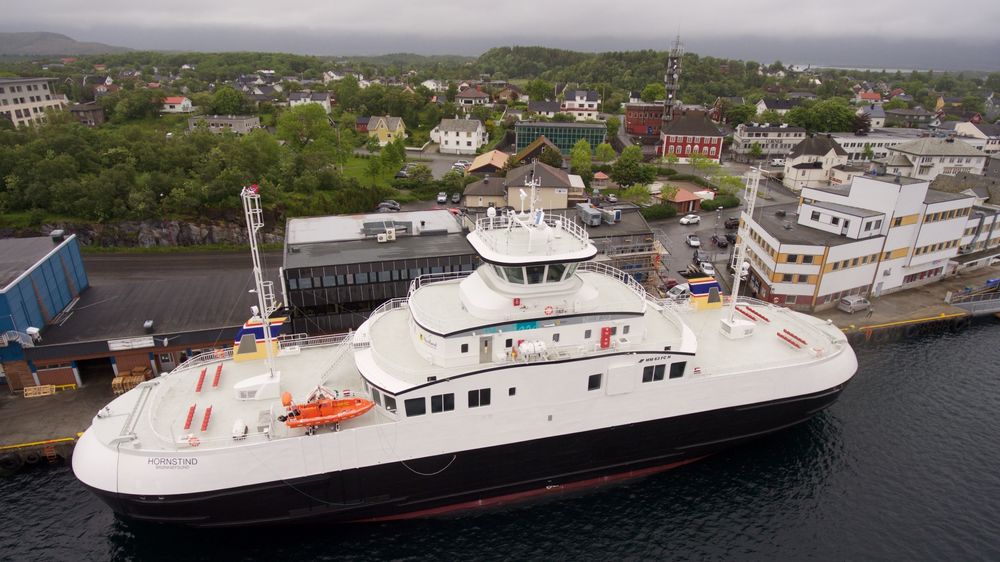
218	375
788	340
208	416
201	380
794	337
190	416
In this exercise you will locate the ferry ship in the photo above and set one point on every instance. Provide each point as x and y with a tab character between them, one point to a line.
539	372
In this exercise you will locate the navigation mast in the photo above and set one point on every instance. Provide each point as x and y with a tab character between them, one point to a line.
266	303
733	327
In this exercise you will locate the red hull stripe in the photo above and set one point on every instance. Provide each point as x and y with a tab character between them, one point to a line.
521	496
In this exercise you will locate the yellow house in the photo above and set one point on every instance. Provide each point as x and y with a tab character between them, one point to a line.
386	129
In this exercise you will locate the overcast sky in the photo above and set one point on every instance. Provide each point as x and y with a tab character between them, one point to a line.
448	26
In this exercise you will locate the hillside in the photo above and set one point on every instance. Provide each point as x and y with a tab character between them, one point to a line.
45	43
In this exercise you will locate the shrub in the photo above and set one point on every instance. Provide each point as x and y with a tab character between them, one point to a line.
720	201
661	211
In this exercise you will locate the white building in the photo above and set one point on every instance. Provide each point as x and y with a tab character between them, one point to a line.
810	163
925	158
582	104
25	100
302	98
774	142
435	85
987	132
460	136
875	113
874	236
879	140
176	104
470	97
780	106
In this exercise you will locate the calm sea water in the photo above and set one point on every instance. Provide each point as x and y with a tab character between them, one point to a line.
905	466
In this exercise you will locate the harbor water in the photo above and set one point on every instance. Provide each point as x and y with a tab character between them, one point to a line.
903	467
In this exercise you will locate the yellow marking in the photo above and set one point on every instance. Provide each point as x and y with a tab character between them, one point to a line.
942	316
38	443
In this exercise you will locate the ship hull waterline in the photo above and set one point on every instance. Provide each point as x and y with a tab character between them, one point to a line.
482	477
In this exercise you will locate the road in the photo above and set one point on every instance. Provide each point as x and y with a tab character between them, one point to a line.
439	163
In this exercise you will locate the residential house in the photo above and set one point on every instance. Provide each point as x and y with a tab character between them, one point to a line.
386	129
487	192
267	90
361	124
916	117
301	98
471	97
873	236
688	133
544	108
459	136
511	94
987	132
774	142
644	119
684	201
553	185
634	96
802	96
875	113
926	158
90	114
533	150
809	164
778	105
218	124
582	104
867	98
176	104
25	100
877	140
563	135
488	163
435	85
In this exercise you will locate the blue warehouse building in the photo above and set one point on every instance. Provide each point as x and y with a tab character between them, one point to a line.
40	277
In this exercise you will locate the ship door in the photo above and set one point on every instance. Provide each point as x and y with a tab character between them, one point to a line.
486	349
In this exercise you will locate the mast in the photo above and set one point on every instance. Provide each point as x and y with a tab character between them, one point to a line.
266	303
753	182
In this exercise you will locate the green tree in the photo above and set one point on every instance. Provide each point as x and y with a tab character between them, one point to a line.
551	156
421	174
227	101
452	91
773	117
374	169
638	194
563	118
671	159
372	144
756	152
653	91
303	124
626	170
974	104
867	151
347	92
737	114
605	153
895	104
538	89
580	161
614	124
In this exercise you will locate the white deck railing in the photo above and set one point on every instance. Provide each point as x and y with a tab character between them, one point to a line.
490	231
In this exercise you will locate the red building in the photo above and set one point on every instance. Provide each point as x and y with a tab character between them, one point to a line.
643	119
689	132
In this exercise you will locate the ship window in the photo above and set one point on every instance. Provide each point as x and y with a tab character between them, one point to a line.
555	272
465	348
306	283
360	278
383	276
479	397
414	272
677	370
329	281
499	271
442	403
508	343
625	329
586	334
535	274
512	391
415	407
514	274
377	397
437	269
594	382
390	403
570	271
647	373
658	372
293	283
555	337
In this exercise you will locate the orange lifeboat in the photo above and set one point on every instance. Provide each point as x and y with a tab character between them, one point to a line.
323	407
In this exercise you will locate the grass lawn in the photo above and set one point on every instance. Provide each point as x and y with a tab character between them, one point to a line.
357	168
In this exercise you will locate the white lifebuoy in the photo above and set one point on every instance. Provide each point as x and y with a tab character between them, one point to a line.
549	310
194	441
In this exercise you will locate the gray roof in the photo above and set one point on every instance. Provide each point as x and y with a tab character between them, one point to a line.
17	255
988	129
817	145
589	95
984	186
935	196
460	125
874	111
787	230
311	96
370	251
756	129
937	147
492	187
548	176
898	160
776	104
557	125
392	123
544	106
916	112
847	209
693	125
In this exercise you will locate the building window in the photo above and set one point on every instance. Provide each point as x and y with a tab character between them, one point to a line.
442	403
415	407
835	220
898	221
815	215
594	382
586	334
479	398
792	258
786	277
807	259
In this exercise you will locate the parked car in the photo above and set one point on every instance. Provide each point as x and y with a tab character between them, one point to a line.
403	173
732	223
670	283
853	303
678	292
720	240
442	197
690	219
730	237
465	163
707	268
693	241
777	161
611	199
389	204
456	197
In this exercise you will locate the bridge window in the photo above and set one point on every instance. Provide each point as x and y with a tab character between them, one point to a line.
536	273
479	398
555	272
415	407
390	403
677	370
377	397
514	274
442	403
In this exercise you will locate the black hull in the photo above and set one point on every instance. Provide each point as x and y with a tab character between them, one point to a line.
479	477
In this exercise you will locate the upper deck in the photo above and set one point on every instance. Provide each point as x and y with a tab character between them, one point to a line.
533	237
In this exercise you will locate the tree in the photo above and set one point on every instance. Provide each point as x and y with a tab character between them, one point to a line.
538	89
604	153
347	92
579	158
303	124
551	156
862	123
421	174
638	194
374	169
627	171
563	118
671	159
653	91
372	144
614	124
773	117
743	113
895	104
756	152
973	104
227	101
452	91
867	151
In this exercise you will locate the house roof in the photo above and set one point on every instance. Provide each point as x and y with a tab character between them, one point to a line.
548	176
683	196
936	147
600	176
588	95
533	146
495	158
491	187
685	124
174	99
870	96
874	111
915	112
898	160
774	103
981	185
988	129
544	106
391	123
311	96
935	196
471	93
460	125
818	145
89	106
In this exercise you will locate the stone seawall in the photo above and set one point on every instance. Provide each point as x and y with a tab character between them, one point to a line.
150	233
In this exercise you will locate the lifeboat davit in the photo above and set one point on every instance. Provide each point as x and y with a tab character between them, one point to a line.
323	407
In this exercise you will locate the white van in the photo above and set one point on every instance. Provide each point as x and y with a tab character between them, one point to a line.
853	303
777	161
679	292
